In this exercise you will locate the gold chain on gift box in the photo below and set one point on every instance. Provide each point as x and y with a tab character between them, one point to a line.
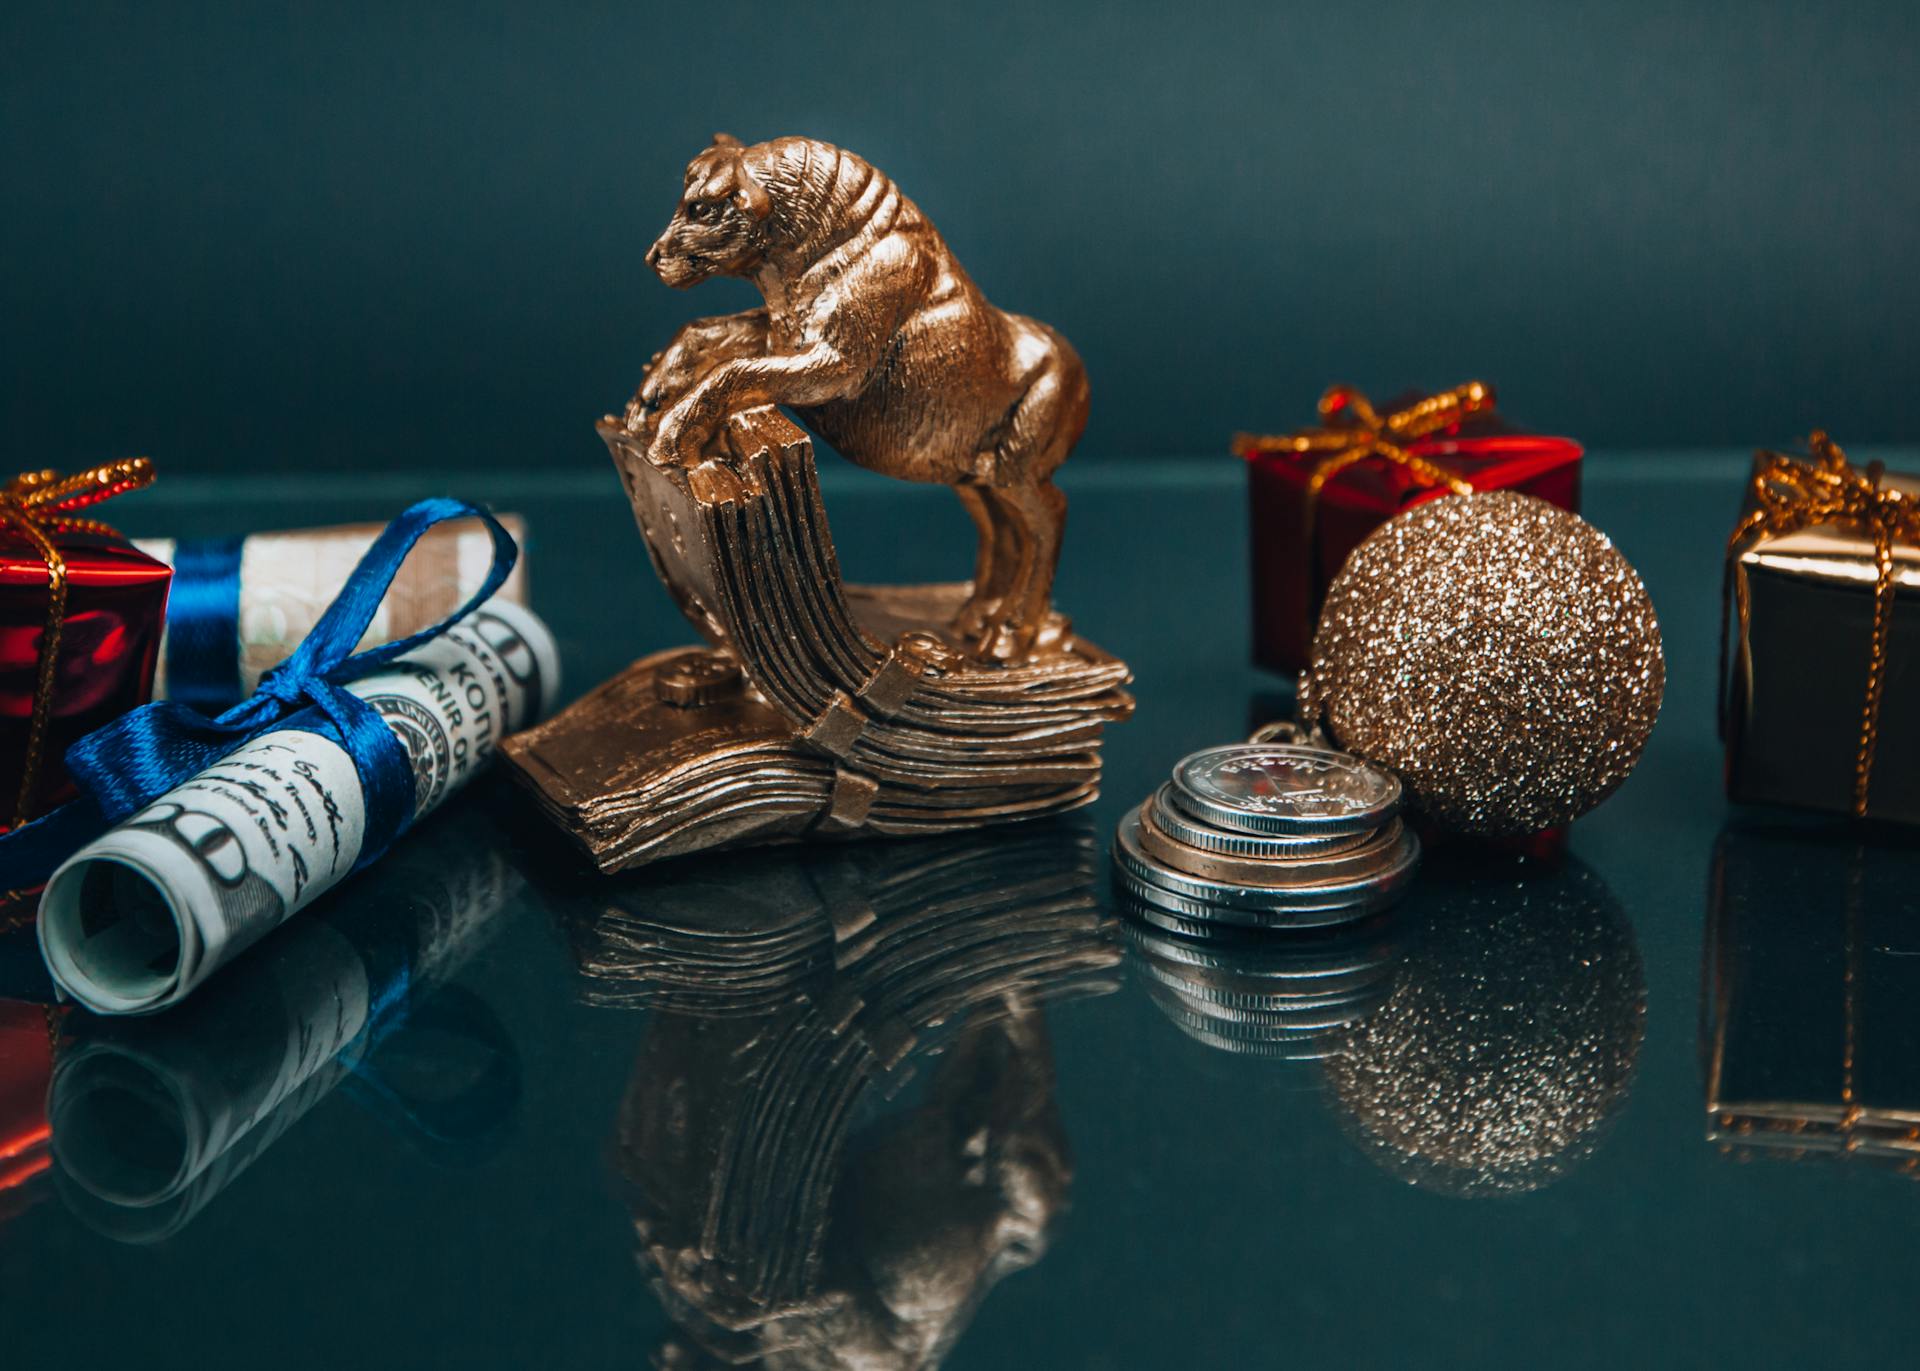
1363	432
1791	494
38	504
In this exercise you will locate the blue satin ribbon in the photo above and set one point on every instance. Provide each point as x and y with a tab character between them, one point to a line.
127	765
203	625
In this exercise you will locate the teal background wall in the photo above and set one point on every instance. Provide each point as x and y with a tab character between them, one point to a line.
365	236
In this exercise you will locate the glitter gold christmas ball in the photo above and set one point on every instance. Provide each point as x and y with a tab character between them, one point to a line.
1509	1039
1498	653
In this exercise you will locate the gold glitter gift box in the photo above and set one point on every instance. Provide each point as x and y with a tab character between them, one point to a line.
1820	703
1807	1031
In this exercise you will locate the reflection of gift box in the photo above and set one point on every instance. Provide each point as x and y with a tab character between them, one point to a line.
26	1066
1821	707
1808	1032
1314	495
80	618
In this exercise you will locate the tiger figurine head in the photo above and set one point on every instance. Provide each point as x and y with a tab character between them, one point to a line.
721	225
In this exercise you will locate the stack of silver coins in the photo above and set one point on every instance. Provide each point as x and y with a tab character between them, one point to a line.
1265	836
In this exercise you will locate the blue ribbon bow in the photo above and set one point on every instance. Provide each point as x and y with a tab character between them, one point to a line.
133	761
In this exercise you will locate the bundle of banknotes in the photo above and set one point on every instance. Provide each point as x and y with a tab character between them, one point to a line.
286	580
819	707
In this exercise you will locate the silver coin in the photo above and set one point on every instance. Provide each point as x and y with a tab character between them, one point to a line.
1275	902
1376	851
1279	788
1201	919
1337	955
1348	952
1170	920
1293	1020
1314	1047
1225	1019
1177	824
1279	1043
1252	992
1227	1002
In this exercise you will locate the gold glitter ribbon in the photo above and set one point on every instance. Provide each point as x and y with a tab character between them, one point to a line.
39	504
1367	433
1791	494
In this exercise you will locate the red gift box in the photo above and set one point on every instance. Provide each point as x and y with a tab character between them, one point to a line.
81	611
1316	494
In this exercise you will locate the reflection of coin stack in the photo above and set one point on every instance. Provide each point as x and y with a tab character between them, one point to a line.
787	995
820	709
1265	836
1287	996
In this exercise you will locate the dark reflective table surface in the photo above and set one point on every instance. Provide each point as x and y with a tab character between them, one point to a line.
878	1106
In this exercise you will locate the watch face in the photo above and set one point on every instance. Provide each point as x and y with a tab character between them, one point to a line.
1282	788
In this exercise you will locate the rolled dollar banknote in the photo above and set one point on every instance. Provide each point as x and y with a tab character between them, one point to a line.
262	594
138	918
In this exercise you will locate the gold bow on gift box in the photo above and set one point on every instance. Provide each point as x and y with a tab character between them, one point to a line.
1791	494
39	504
1372	434
1362	433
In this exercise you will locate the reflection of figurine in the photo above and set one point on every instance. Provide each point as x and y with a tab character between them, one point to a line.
778	1229
878	339
1810	1010
153	1117
1474	1041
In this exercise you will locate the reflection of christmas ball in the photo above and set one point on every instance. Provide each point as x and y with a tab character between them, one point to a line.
1509	1038
1499	654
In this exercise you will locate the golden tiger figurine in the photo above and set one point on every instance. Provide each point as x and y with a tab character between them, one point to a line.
875	338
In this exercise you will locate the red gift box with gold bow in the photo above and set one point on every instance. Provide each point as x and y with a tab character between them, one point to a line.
81	611
1315	494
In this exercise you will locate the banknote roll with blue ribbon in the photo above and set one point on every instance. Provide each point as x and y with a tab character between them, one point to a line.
194	836
241	605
